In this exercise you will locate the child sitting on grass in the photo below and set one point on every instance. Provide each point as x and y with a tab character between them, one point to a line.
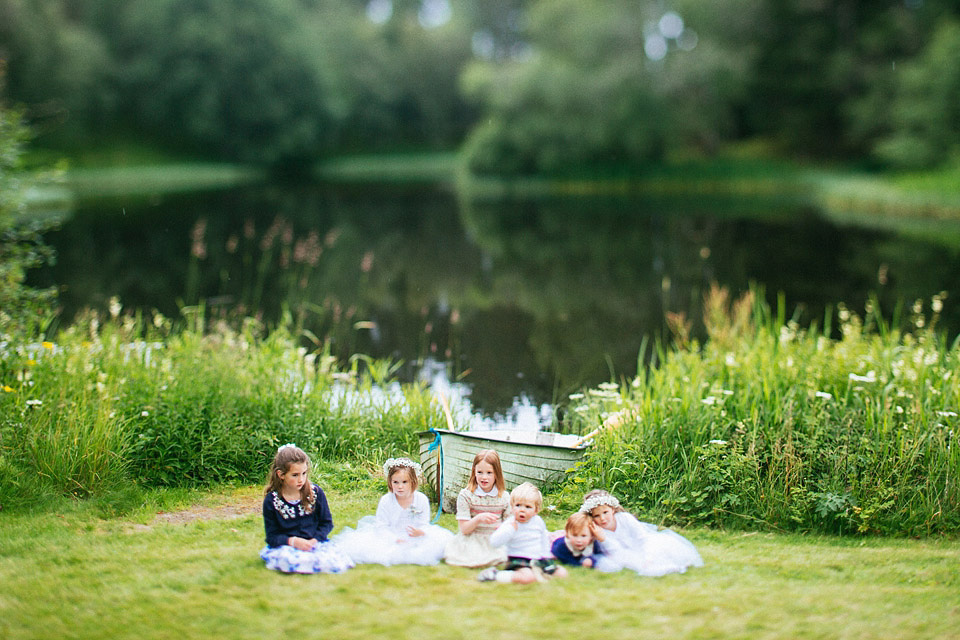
580	544
481	506
296	519
526	541
400	532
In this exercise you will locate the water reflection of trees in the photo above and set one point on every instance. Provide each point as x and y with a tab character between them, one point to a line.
535	296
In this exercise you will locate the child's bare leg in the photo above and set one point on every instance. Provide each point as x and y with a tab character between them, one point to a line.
524	576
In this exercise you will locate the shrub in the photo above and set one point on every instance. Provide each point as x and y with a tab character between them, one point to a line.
120	399
772	426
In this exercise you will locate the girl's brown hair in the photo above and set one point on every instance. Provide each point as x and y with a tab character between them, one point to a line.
411	475
287	455
492	458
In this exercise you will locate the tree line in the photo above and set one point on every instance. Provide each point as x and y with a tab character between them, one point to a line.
523	86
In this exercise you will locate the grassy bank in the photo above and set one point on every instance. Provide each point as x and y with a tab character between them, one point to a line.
772	426
842	194
767	426
79	570
122	399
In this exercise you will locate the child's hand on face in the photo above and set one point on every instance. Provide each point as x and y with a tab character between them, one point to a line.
597	531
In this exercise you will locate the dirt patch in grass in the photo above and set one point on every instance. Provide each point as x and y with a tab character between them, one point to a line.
229	505
199	512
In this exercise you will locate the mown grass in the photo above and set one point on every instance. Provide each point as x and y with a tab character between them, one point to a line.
74	570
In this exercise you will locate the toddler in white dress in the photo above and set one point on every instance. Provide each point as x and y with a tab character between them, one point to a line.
400	532
638	546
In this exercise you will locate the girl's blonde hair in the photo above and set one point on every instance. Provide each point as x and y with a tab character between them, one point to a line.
287	455
600	493
526	491
492	458
411	475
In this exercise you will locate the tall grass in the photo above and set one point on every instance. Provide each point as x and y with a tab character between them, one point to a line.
121	399
767	425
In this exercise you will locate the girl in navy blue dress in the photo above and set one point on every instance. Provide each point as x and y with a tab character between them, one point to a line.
297	519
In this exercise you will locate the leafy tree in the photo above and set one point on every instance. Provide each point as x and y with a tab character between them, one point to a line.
22	308
397	81
606	85
55	64
828	72
926	111
234	79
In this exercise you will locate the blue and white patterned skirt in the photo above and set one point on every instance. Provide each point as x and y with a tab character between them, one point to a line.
324	558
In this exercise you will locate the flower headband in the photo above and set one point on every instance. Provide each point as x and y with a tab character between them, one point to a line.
284	446
602	499
400	462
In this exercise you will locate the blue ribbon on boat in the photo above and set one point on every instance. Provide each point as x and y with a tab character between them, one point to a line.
437	444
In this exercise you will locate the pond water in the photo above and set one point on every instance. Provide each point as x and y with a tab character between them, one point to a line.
516	303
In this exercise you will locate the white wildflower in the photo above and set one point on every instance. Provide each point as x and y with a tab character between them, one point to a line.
34	403
870	377
718	442
144	414
947	414
824	395
709	401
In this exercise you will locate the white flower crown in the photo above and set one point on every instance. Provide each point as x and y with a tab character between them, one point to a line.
593	502
400	462
284	446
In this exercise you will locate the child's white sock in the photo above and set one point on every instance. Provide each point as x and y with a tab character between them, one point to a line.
505	576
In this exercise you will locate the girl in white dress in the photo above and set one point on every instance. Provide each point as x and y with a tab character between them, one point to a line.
638	546
481	507
400	532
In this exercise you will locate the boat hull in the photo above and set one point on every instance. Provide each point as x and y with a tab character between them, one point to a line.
540	458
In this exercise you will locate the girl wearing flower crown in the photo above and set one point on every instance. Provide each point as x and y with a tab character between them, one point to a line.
296	519
481	507
400	532
639	546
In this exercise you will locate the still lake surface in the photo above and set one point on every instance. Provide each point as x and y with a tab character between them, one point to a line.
513	304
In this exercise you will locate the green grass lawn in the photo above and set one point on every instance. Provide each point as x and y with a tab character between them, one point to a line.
74	571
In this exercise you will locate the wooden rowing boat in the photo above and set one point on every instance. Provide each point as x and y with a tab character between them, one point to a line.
538	457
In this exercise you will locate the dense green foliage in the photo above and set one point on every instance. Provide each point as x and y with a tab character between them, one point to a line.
767	425
763	426
589	96
531	86
272	82
121	401
22	308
